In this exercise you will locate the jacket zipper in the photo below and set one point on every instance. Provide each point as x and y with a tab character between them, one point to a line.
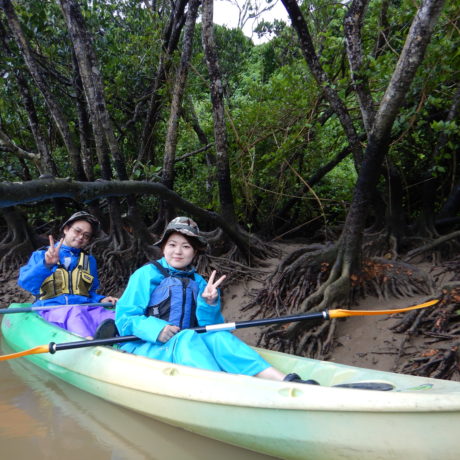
184	301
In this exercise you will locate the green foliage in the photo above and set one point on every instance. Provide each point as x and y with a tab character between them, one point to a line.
280	127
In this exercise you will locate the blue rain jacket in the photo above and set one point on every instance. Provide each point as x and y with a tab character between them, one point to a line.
216	351
79	320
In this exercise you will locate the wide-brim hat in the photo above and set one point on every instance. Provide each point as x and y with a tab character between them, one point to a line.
83	215
187	227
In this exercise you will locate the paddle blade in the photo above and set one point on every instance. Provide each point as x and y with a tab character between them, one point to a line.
340	313
31	351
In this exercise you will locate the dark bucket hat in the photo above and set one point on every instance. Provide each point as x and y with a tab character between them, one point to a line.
83	215
187	227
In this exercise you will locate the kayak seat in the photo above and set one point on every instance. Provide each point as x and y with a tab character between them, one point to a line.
296	379
106	330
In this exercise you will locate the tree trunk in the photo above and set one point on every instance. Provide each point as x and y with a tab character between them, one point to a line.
92	80
452	204
395	211
190	116
40	80
306	44
167	177
94	91
217	99
84	127
47	162
170	41
349	256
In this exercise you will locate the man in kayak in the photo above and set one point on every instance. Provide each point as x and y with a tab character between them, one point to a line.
165	298
64	274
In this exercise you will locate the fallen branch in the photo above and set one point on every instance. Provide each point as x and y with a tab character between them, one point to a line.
416	252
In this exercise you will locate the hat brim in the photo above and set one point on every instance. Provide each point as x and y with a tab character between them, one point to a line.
93	222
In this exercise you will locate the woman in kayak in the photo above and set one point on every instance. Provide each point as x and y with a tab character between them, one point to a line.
65	274
164	298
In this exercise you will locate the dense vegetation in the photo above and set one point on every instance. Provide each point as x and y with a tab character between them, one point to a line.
341	131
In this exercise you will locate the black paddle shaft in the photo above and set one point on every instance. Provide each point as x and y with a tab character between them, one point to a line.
261	322
32	308
54	347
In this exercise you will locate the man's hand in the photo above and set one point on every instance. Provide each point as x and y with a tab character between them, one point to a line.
52	254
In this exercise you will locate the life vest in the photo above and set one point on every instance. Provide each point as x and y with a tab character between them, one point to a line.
78	281
174	299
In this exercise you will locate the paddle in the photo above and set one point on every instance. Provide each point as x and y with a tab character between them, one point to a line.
7	311
54	347
326	314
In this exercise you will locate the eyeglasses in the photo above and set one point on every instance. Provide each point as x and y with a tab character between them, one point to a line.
79	232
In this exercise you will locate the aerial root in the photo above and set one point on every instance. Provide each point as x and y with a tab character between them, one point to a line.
303	283
14	254
425	327
438	363
385	279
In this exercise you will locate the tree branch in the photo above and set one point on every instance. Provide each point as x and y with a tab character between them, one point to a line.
411	56
352	27
15	193
7	144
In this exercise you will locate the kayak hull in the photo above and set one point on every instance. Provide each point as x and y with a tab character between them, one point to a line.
417	420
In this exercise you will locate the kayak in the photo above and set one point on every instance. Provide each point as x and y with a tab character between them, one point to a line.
69	411
418	419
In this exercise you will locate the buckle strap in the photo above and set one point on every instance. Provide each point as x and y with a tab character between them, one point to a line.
152	311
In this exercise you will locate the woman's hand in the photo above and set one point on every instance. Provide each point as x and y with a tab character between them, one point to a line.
52	254
110	299
168	332
210	293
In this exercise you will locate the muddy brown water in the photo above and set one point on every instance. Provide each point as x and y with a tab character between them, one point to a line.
43	418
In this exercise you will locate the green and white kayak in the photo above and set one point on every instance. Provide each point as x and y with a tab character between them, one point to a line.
417	420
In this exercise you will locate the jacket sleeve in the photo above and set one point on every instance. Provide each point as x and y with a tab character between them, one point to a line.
93	295
207	314
32	275
130	310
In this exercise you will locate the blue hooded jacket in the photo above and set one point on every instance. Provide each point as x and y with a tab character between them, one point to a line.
216	351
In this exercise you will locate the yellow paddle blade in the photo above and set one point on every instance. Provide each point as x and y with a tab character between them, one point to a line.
344	313
31	351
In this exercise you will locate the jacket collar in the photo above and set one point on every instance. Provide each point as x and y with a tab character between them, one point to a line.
189	272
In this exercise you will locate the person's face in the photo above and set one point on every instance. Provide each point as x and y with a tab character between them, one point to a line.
178	252
78	234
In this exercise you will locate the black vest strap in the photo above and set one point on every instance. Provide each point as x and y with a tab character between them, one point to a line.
160	267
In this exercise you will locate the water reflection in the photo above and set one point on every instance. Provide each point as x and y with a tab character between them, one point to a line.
42	417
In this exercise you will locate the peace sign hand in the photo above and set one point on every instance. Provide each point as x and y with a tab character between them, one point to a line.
210	293
52	254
